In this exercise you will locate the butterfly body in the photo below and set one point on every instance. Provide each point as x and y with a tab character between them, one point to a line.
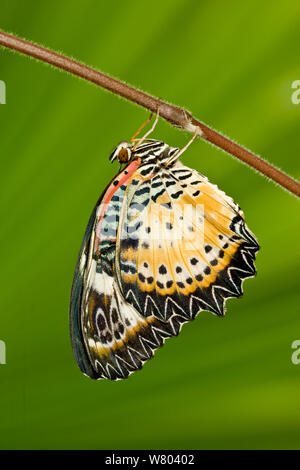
161	245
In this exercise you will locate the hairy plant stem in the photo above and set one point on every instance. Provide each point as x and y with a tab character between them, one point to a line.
175	115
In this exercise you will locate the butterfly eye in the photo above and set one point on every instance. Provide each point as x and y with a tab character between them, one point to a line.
122	153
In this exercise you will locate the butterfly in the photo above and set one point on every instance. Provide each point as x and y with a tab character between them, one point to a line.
162	244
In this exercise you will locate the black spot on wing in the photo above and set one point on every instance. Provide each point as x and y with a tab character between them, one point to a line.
157	195
177	194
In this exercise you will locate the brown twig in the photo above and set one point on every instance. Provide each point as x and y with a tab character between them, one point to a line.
173	114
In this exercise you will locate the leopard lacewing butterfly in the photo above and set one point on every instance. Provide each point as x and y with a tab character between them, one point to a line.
161	245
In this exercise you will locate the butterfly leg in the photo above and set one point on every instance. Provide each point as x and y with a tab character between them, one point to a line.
133	138
181	151
140	141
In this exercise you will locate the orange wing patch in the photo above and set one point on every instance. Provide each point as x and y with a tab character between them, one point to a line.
190	242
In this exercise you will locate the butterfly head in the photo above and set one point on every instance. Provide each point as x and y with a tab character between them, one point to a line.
149	151
122	153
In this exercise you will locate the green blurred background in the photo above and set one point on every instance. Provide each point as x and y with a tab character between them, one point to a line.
223	383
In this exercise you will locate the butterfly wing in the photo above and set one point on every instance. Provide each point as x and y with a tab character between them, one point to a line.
77	340
105	328
187	247
146	266
89	278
